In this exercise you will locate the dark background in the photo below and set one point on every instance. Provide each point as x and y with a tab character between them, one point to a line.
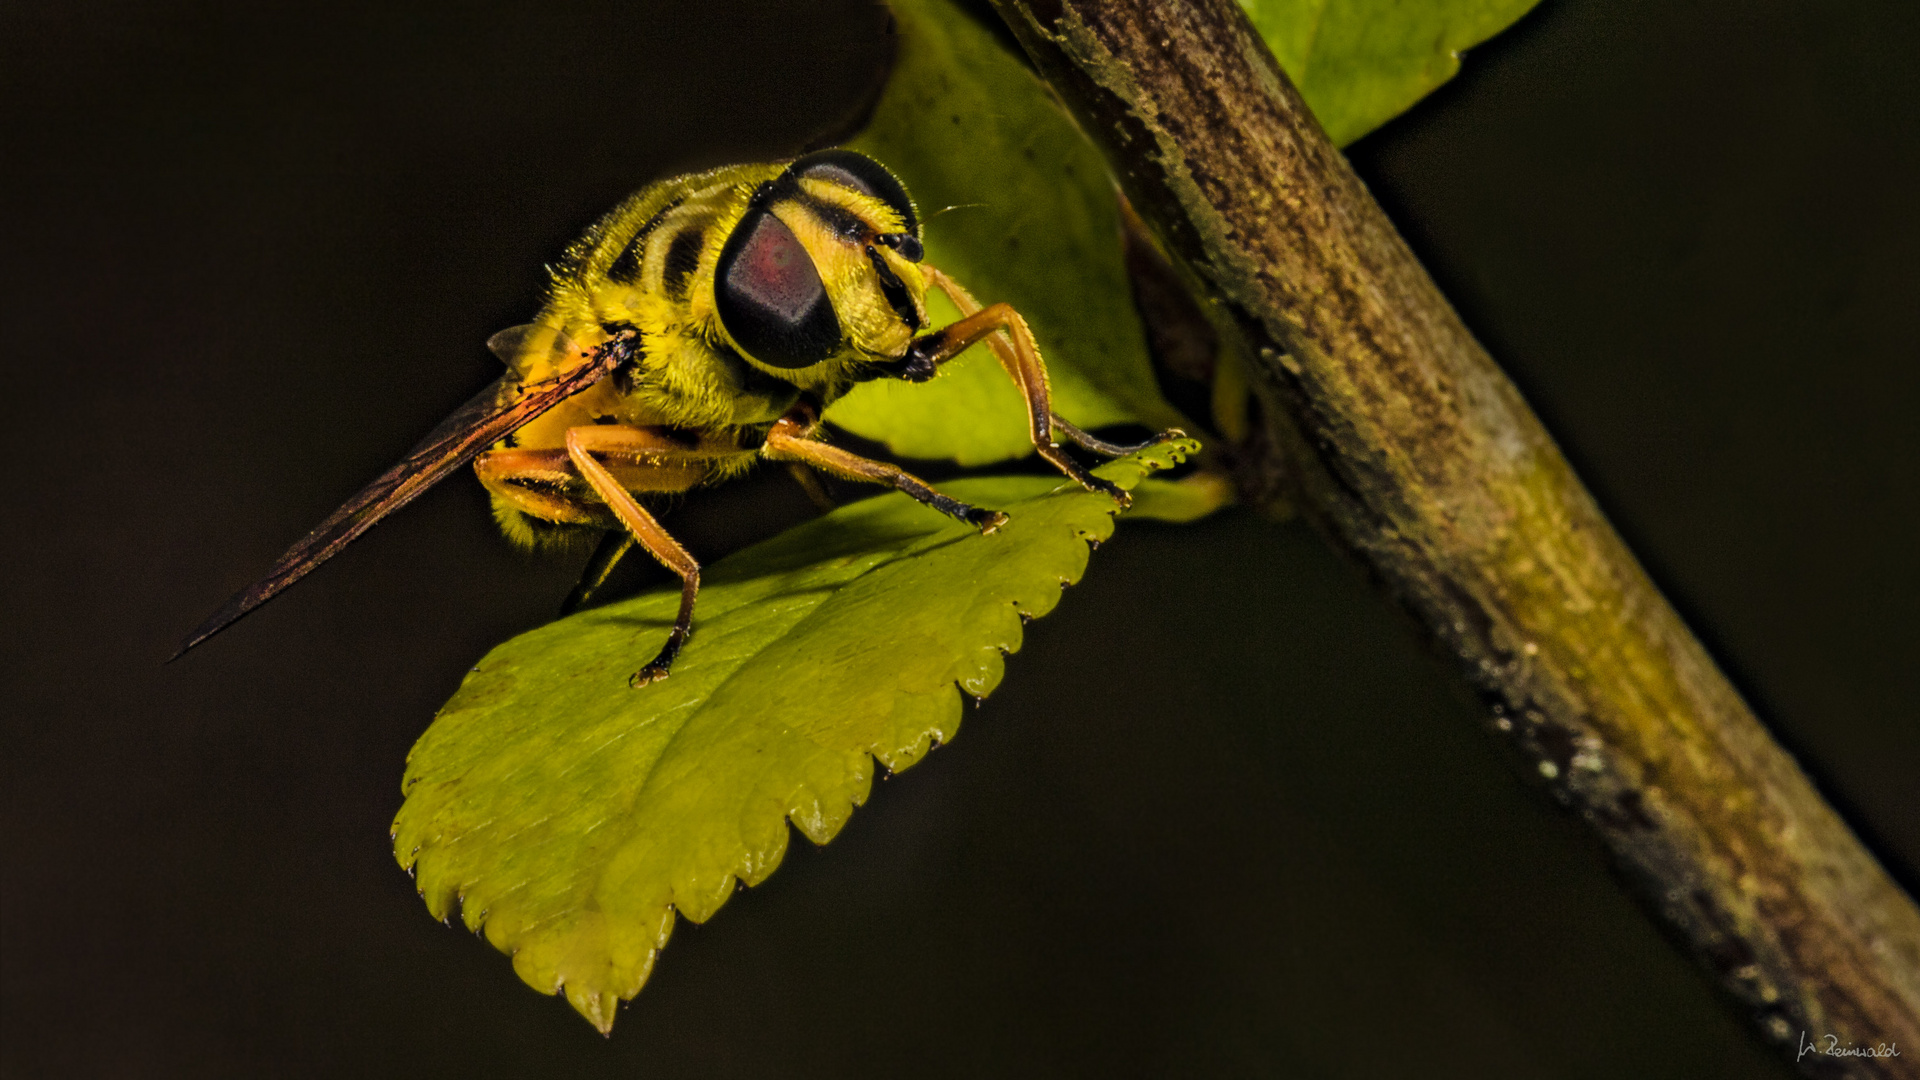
1224	818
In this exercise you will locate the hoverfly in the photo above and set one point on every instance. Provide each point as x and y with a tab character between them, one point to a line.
705	323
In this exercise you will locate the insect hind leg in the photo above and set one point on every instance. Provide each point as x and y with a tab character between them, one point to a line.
592	481
641	449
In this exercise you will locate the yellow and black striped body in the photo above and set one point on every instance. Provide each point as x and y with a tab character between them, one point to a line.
706	322
651	266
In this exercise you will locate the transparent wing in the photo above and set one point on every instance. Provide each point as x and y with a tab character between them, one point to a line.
493	413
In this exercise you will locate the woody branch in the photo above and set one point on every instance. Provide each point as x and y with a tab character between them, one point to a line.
1414	454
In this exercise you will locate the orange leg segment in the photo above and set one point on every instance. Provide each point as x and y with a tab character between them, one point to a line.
1011	340
791	440
582	442
595	475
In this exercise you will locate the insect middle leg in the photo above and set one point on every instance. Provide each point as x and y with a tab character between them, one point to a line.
791	439
1008	335
637	459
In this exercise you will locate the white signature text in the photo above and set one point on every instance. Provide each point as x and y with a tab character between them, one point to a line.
1832	1048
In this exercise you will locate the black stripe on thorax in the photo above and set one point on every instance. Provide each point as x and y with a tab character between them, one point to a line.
626	266
683	258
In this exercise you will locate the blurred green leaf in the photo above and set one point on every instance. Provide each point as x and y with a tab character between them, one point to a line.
1181	501
1360	63
569	816
1035	223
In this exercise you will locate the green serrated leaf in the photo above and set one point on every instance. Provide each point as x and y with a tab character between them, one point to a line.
1360	63
966	125
569	816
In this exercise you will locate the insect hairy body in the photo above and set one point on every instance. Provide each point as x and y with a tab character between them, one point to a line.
703	324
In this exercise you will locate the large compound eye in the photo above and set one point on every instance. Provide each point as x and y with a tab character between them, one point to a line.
770	296
863	174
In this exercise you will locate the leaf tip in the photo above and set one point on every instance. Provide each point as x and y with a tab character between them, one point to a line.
598	1007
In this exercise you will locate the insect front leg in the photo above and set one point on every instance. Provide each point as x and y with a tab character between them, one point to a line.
1008	335
791	440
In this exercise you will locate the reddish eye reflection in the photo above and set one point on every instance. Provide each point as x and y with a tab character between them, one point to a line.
775	273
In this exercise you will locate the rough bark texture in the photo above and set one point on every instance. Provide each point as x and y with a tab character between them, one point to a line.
1412	449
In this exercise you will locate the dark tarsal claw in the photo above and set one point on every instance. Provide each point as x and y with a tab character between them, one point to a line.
1086	479
1109	488
984	520
987	521
660	666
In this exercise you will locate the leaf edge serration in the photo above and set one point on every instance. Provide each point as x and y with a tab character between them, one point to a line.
612	943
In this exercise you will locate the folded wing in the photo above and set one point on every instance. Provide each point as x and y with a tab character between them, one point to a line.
494	413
